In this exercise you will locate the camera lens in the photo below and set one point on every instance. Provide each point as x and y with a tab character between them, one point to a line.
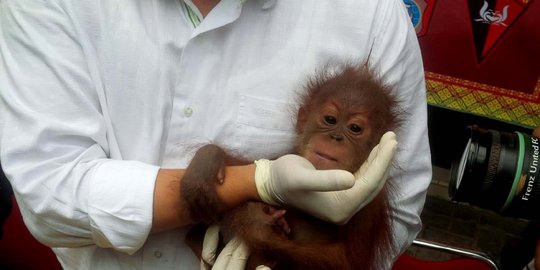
498	171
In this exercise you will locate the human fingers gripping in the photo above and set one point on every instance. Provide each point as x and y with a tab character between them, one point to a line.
378	163
277	180
233	256
322	180
239	256
210	243
387	141
336	207
371	177
296	173
301	184
387	147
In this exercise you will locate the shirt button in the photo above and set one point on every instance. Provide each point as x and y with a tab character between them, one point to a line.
157	254
268	4
188	111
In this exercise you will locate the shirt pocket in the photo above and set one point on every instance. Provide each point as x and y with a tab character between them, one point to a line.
264	128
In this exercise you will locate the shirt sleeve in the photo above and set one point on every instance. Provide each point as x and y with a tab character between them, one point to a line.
396	52
56	143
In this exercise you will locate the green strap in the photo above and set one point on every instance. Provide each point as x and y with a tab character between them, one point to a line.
518	171
195	20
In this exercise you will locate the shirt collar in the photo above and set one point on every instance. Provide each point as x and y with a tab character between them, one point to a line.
225	12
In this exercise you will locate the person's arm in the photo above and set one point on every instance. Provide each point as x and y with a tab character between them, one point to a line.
397	54
58	146
61	154
238	187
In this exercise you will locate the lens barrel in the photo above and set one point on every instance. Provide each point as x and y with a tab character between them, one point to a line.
498	171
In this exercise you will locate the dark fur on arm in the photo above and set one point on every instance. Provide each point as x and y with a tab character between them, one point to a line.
205	171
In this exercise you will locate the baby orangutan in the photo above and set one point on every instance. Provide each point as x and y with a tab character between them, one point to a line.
342	116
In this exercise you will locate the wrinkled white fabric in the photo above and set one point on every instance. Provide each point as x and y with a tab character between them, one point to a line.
96	95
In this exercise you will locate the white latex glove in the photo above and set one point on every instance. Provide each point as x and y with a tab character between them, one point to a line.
233	256
210	243
331	195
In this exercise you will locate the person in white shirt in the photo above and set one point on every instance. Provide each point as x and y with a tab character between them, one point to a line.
104	103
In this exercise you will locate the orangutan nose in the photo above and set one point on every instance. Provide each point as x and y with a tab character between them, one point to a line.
336	136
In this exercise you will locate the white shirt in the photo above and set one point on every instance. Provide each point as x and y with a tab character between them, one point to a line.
97	95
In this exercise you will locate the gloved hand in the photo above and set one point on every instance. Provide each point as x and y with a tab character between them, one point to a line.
210	244
233	256
331	195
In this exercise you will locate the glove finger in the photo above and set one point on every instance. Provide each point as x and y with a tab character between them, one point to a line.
224	257
386	139
370	179
322	180
239	256
302	175
372	175
233	256
379	159
210	243
263	267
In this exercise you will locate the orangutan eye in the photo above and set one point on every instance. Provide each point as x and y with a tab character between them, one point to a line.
330	120
355	128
